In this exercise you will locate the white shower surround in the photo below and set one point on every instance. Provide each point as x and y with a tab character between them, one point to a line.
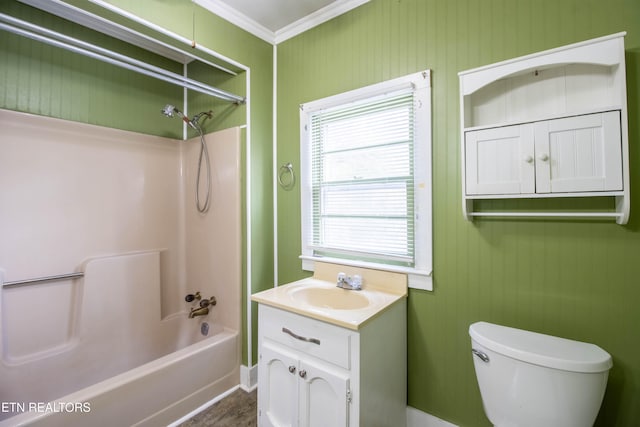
119	206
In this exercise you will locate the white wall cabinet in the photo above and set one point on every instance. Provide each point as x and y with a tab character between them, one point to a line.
311	373
569	155
550	124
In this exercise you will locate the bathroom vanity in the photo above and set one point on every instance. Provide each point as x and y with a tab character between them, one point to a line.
333	357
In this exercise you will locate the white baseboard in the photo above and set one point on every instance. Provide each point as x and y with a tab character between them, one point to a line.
417	418
248	377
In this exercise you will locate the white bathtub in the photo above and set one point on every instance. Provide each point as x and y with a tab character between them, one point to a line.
153	394
118	207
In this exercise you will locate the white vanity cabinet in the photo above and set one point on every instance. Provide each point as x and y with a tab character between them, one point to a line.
550	124
312	373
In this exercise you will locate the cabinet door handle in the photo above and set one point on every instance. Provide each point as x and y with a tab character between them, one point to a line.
303	374
544	157
528	159
301	338
292	369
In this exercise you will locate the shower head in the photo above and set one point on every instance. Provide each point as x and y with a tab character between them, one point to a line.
169	110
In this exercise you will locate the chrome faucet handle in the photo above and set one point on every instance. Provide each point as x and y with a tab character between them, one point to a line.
356	281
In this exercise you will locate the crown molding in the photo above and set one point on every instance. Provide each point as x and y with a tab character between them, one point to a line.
238	19
318	17
241	20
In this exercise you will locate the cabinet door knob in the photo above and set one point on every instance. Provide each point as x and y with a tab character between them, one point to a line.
544	157
528	159
303	374
292	369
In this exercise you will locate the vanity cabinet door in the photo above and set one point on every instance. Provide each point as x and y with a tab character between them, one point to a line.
579	154
278	391
324	395
500	160
298	392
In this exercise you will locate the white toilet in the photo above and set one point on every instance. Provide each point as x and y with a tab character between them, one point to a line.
531	379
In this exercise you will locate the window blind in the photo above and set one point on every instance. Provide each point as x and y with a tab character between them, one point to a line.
362	179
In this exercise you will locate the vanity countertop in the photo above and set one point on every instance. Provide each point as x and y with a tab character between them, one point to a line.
319	298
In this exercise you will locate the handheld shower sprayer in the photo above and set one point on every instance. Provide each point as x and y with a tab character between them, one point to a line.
169	111
198	116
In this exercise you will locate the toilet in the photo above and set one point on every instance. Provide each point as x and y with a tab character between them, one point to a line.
531	379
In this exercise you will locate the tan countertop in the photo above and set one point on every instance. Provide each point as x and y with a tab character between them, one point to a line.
380	289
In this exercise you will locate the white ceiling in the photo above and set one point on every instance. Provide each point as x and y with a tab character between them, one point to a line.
277	14
278	20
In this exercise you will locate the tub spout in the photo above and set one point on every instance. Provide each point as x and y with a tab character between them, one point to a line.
200	311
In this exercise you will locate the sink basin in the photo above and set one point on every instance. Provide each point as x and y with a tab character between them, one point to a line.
333	298
320	299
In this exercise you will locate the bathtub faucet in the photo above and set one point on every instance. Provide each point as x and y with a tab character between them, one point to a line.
198	311
204	304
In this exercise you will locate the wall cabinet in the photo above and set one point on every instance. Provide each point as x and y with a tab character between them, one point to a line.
550	124
569	155
312	373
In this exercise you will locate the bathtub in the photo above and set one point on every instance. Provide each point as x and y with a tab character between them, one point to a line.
156	393
118	363
114	346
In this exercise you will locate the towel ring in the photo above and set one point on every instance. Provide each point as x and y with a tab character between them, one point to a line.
286	176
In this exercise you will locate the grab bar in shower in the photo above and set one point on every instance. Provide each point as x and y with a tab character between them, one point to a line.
69	276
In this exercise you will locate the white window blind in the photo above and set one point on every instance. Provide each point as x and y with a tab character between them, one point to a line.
366	178
362	179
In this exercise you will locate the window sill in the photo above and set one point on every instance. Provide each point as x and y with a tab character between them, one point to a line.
418	279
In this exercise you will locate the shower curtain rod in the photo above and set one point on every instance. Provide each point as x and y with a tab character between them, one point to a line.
11	24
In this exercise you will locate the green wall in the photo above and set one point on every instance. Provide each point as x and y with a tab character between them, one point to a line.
576	279
39	79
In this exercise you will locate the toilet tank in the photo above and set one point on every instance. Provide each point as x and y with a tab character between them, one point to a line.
532	379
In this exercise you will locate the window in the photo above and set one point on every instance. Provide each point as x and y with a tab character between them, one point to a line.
366	178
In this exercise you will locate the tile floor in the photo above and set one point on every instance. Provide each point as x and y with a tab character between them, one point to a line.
239	409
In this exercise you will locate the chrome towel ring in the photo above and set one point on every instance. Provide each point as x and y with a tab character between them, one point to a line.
286	176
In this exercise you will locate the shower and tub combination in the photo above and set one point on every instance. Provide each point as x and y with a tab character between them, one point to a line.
139	323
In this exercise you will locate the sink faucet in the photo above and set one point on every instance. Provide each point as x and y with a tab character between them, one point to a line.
350	283
200	311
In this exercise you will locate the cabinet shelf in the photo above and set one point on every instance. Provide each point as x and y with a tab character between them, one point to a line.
545	196
548	125
505	214
544	117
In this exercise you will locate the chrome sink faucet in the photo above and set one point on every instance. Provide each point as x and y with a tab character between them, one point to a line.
350	283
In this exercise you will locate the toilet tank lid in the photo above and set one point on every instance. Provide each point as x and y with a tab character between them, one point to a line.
540	349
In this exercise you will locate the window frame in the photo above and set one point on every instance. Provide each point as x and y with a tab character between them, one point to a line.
420	275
